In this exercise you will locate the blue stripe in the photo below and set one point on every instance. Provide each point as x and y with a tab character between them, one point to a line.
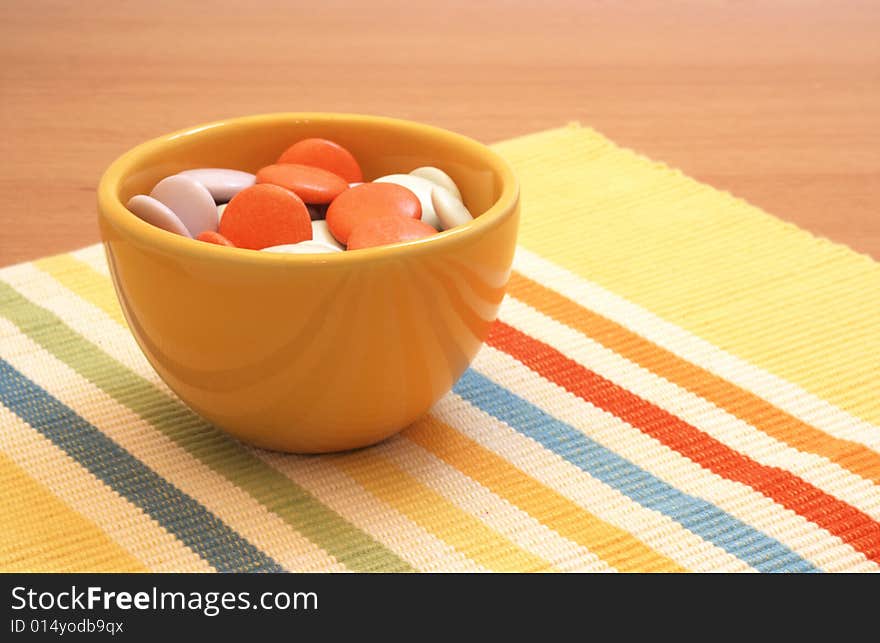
702	518
177	512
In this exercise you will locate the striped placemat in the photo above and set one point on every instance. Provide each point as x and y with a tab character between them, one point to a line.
678	381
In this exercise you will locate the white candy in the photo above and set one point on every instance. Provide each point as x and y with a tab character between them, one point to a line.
190	201
223	184
421	188
303	248
450	211
220	209
321	233
438	177
156	213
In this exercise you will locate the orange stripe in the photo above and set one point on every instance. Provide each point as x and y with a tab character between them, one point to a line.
843	520
617	547
730	397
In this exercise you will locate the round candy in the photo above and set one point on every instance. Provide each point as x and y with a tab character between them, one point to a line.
311	184
156	213
223	184
216	238
319	152
450	211
367	201
380	231
438	177
303	248
320	232
265	215
421	188
190	201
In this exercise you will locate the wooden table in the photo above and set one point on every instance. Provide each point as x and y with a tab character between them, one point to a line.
777	103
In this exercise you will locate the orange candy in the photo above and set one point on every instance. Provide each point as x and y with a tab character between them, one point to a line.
380	231
265	215
368	201
319	152
210	236
311	184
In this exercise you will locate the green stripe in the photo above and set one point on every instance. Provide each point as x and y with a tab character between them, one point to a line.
296	506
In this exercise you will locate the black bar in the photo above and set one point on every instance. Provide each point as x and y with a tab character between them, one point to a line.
47	606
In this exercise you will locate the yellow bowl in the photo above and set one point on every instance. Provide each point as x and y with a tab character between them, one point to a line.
311	353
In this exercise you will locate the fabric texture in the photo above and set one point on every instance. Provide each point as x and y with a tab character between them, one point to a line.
677	382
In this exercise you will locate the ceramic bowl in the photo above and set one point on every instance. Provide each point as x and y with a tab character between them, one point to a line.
311	353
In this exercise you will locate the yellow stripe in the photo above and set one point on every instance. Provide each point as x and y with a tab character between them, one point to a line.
39	533
467	534
615	546
85	282
802	308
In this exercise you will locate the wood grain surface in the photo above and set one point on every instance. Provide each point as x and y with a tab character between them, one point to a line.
777	102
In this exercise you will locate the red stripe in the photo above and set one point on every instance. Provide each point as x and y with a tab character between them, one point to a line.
839	518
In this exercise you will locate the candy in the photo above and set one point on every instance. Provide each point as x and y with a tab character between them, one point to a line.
367	201
190	201
421	188
320	232
450	210
380	231
157	213
330	156
303	248
223	184
216	238
438	177
312	200
311	184
265	215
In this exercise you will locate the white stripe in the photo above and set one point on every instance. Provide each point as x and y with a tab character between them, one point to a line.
220	496
693	409
788	397
484	505
411	542
814	544
659	532
94	324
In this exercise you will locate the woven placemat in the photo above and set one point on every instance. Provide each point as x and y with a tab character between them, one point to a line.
677	381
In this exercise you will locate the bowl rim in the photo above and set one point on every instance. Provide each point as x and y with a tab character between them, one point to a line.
111	207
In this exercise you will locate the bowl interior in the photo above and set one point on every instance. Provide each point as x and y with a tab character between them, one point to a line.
381	145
